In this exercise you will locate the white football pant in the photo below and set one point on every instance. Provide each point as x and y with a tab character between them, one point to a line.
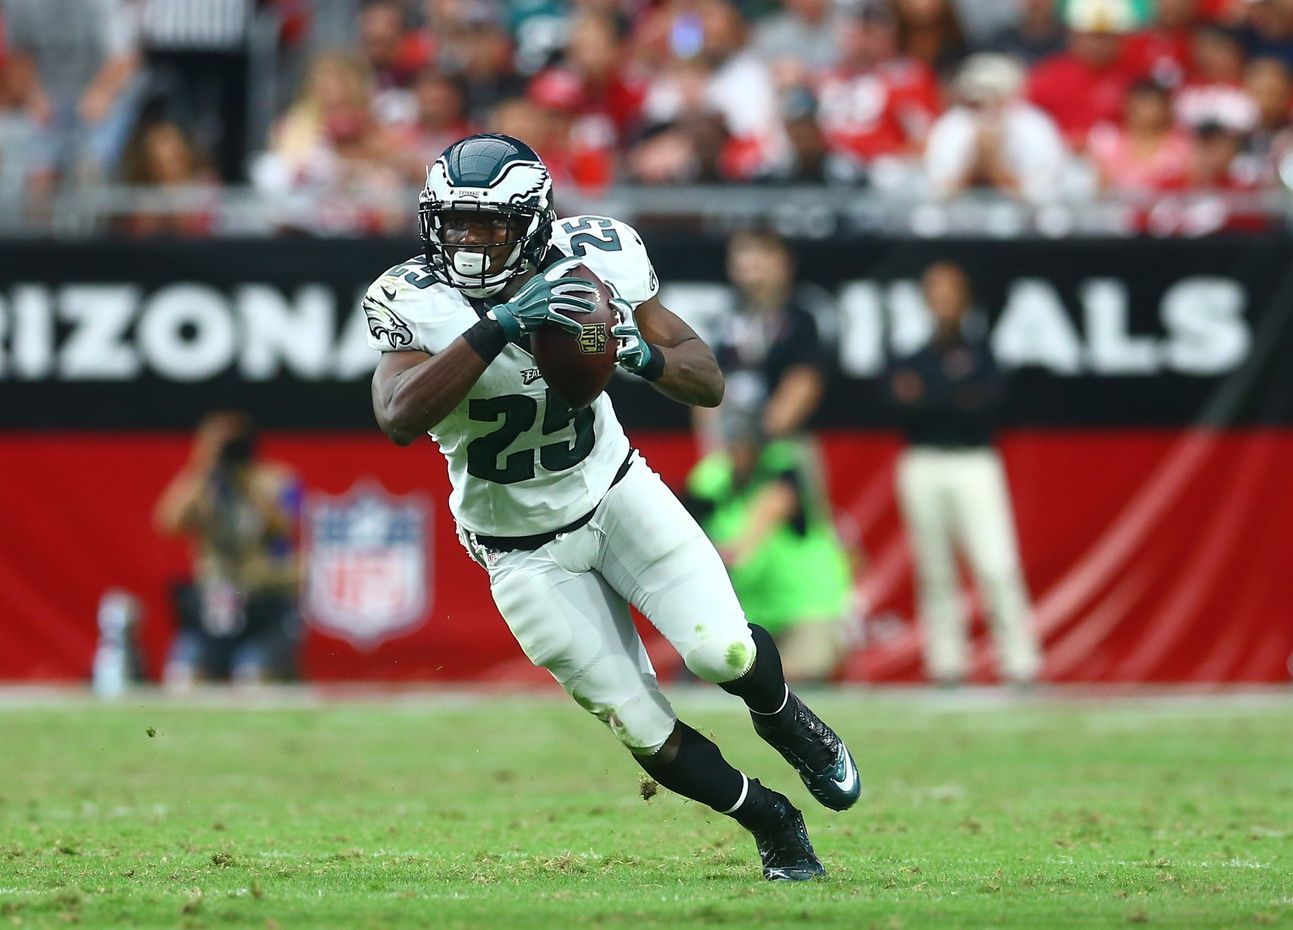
567	605
958	499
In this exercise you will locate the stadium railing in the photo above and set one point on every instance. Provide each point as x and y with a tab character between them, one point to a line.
808	212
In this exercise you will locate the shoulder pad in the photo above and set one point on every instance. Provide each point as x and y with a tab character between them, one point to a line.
612	250
401	300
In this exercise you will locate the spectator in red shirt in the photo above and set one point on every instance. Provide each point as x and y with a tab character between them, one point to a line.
875	103
1086	84
394	55
1164	50
596	80
1217	173
1147	152
545	129
1215	91
588	141
1221	11
1215	165
394	52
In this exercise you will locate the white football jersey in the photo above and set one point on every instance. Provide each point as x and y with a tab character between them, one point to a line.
520	460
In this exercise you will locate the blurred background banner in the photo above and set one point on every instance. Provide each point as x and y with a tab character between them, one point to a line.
1095	333
1146	438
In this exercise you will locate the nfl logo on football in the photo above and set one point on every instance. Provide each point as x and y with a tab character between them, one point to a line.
592	338
368	572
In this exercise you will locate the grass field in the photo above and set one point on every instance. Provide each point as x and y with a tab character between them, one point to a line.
520	812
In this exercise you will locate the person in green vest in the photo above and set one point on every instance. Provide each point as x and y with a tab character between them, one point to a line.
764	508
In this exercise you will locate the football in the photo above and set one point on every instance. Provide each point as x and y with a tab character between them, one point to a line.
578	368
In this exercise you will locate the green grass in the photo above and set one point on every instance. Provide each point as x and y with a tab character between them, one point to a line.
521	812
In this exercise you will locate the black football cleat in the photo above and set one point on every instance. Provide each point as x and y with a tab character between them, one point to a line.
783	842
817	753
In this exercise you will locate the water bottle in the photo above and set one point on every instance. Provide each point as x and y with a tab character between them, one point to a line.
118	616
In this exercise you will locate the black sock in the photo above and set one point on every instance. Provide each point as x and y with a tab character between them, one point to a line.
692	766
756	809
763	687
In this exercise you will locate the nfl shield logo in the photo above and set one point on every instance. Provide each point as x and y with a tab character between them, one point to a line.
592	338
368	576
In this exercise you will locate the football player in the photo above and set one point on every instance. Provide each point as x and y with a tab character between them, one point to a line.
569	521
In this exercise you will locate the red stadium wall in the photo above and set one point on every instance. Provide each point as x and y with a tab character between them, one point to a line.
1153	555
1148	438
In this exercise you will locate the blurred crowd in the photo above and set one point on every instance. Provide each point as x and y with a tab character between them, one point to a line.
1034	98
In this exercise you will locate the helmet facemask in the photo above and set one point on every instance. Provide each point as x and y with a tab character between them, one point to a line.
466	266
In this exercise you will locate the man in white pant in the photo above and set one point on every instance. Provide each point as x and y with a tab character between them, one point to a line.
570	523
952	488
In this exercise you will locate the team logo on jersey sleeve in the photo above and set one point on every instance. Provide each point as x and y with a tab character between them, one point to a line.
592	338
385	325
368	570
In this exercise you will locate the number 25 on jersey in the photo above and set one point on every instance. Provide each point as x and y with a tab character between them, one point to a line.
517	413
